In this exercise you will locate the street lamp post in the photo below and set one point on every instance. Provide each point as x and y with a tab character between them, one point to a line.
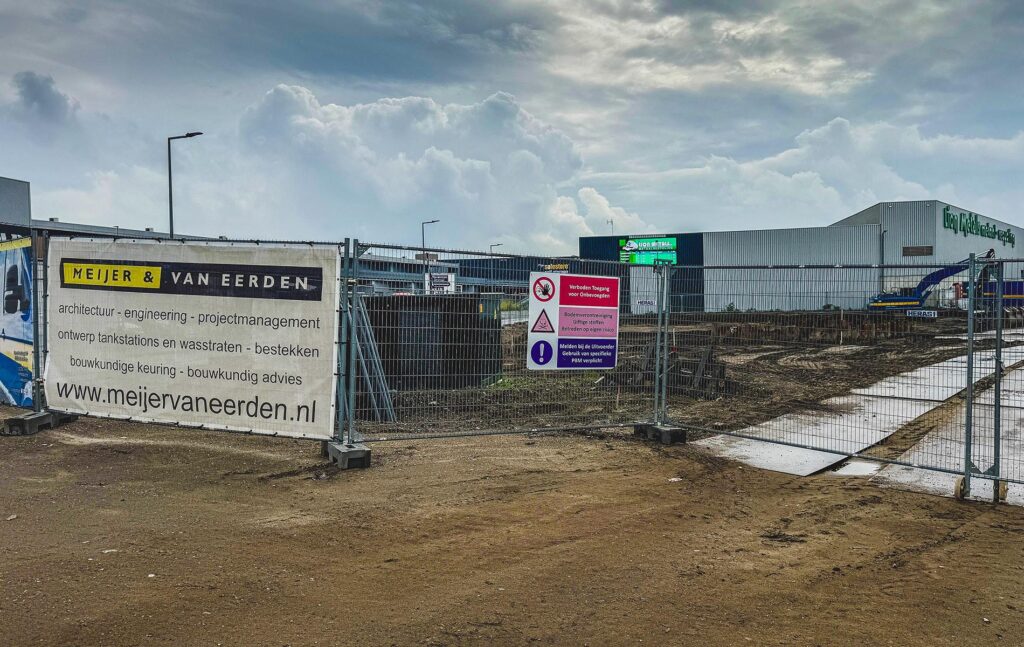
492	260
170	186
423	250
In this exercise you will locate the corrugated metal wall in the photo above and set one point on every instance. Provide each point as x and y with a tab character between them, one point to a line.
907	224
791	289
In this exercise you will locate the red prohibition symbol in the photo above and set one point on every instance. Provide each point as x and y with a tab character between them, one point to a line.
544	289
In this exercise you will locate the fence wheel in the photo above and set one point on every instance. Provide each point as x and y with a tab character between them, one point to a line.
958	489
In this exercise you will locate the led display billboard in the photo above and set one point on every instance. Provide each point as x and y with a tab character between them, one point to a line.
645	251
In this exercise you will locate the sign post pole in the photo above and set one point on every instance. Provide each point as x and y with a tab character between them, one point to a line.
659	429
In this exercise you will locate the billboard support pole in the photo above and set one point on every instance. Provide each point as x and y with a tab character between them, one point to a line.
663	414
661	429
660	273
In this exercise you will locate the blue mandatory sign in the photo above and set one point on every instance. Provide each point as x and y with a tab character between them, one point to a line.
541	353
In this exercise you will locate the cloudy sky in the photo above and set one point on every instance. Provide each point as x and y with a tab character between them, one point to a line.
515	121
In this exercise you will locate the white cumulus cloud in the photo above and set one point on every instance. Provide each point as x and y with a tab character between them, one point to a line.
301	169
828	173
490	171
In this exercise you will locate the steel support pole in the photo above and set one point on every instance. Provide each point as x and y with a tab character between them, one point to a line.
341	395
170	192
659	272
35	302
998	391
44	311
969	412
663	418
354	338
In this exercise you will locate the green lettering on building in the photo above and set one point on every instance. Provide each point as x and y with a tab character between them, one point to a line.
970	224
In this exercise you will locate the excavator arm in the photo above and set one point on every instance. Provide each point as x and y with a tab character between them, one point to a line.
925	286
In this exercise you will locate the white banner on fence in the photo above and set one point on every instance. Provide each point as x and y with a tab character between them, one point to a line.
218	335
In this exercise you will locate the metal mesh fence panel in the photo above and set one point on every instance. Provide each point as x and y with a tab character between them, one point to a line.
443	346
919	366
893	363
992	449
865	360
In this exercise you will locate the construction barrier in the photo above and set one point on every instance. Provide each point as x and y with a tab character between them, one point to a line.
914	367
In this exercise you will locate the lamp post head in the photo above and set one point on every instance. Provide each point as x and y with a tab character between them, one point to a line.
187	135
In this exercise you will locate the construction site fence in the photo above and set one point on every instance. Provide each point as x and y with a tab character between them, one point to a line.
916	367
854	360
443	347
799	356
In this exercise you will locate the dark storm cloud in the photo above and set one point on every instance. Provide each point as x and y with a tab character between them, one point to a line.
39	98
962	75
404	40
401	40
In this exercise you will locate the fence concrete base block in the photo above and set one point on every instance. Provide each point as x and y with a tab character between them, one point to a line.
349	456
663	434
32	422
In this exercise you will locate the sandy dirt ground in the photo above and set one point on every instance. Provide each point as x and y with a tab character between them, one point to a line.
117	534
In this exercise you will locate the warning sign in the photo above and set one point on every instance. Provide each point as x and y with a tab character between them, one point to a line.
543	323
543	289
574	322
541	353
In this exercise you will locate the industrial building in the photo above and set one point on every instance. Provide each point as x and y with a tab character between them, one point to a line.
715	267
883	249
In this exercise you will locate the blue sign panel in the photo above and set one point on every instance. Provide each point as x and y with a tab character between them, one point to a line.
586	353
541	353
